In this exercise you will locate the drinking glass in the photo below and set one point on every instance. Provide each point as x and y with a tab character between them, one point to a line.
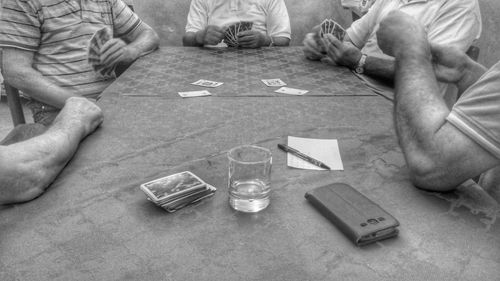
249	180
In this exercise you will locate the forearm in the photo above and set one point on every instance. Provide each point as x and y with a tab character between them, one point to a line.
278	41
29	167
193	39
20	74
420	115
145	41
380	68
37	86
420	111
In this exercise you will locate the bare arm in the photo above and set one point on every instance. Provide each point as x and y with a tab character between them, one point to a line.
211	35
18	71
451	65
139	42
439	156
143	39
346	54
193	39
256	39
27	168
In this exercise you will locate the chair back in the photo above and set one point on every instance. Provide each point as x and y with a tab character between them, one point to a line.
15	106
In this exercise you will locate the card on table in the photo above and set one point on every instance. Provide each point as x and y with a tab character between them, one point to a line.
192	94
291	91
273	82
207	83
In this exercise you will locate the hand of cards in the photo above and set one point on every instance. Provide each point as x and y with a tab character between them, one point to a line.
329	26
177	191
231	33
99	38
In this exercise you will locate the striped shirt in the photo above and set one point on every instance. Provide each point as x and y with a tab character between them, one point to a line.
59	31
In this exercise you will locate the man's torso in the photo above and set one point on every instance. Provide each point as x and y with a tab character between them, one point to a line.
67	27
427	12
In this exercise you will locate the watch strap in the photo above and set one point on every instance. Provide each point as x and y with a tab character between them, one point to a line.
360	68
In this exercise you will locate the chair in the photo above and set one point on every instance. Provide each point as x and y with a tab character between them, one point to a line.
15	106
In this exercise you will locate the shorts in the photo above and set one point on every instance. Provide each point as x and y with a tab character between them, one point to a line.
42	113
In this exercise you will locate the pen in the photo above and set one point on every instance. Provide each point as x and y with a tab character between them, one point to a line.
302	156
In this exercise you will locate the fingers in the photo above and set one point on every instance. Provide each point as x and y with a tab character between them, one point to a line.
332	40
246	37
328	60
312	50
249	39
214	35
332	45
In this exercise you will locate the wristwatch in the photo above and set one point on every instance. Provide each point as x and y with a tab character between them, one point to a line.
360	68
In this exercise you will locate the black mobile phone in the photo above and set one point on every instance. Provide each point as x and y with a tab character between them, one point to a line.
359	218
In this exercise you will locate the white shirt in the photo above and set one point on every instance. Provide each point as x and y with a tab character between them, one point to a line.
449	22
268	16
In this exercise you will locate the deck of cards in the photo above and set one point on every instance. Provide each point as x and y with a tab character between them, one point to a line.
99	38
329	26
231	33
177	191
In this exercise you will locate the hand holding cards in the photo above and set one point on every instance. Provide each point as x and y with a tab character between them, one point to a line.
231	34
177	191
98	40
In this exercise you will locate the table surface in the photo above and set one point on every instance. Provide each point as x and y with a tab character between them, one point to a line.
94	223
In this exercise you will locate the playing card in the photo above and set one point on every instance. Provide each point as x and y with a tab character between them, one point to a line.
273	82
172	186
291	91
231	33
338	31
191	94
98	39
207	83
329	26
230	37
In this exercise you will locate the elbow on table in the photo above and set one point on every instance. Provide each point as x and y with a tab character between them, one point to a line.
429	174
20	183
155	38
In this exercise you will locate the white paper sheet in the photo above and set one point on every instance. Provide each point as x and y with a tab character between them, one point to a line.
324	150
